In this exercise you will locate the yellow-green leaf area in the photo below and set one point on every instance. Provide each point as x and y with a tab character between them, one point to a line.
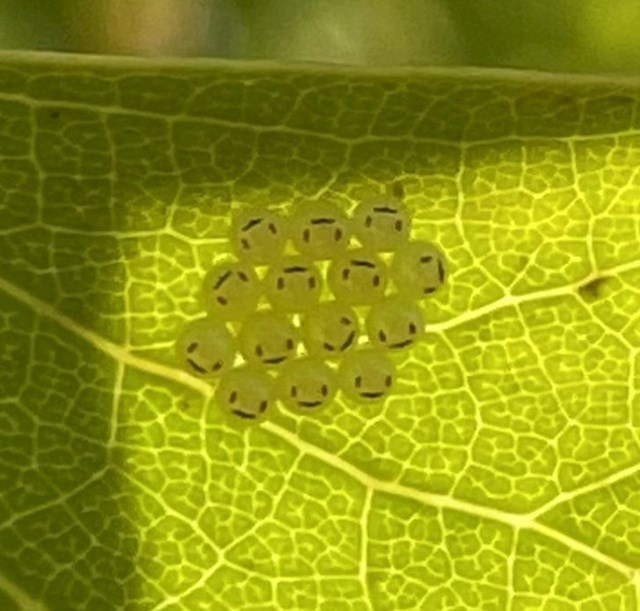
501	474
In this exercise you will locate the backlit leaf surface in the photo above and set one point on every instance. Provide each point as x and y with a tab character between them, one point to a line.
505	471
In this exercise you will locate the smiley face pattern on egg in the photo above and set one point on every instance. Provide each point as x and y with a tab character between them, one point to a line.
358	277
314	302
293	285
419	269
231	290
395	324
258	236
330	330
320	231
268	338
307	385
381	224
245	393
367	375
205	348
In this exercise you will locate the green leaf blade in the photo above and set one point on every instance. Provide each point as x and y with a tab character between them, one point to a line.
502	472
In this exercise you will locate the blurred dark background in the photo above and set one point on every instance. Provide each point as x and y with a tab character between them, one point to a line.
598	36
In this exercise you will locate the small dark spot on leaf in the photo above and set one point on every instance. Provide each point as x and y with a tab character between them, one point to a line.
592	290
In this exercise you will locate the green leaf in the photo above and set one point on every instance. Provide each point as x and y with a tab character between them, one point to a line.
503	474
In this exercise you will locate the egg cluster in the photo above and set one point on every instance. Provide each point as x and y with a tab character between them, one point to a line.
293	300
